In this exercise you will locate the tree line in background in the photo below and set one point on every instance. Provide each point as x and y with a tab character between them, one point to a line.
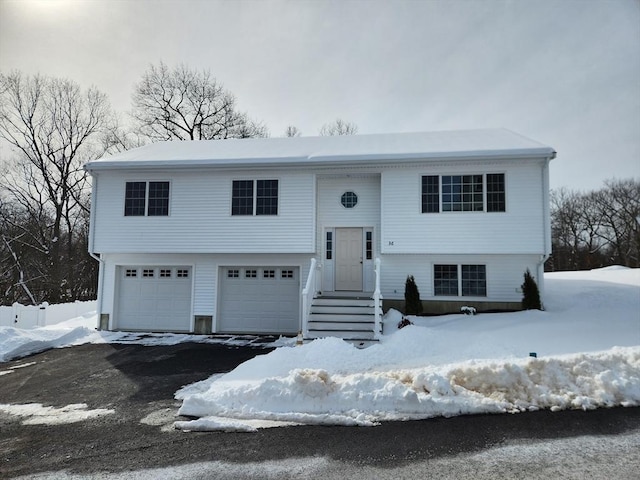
596	229
50	127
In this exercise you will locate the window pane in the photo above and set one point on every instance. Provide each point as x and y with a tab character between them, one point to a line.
462	193
369	245
430	194
134	198
349	199
495	192
158	199
445	280
267	197
474	280
242	197
329	245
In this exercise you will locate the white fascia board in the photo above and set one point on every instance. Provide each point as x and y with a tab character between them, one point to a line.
320	160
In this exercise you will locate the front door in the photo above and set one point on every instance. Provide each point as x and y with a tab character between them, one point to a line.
349	259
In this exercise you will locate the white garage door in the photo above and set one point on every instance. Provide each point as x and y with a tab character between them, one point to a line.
156	299
259	300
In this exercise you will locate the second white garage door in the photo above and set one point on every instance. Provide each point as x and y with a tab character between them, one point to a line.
259	300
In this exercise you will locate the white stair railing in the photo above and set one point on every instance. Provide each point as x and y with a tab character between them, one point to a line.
377	296
308	294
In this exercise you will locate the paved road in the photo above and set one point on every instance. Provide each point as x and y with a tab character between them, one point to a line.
138	383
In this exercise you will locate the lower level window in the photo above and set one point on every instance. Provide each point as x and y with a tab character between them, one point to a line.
460	280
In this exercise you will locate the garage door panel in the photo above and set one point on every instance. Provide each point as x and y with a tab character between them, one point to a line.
154	298
259	300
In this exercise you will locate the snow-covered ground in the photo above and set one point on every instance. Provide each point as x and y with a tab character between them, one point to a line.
587	344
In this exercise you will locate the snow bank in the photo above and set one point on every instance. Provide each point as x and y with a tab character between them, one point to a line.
587	344
18	343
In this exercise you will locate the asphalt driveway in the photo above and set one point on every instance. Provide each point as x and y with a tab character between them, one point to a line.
138	383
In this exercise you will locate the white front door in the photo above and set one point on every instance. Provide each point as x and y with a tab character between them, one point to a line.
349	259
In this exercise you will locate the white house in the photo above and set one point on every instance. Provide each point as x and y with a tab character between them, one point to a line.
278	235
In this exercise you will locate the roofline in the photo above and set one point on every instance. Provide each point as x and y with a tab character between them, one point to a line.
320	160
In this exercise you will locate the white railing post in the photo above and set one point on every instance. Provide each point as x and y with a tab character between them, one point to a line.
307	295
376	299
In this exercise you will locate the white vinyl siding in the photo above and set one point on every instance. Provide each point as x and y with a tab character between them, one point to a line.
332	214
201	220
504	274
520	229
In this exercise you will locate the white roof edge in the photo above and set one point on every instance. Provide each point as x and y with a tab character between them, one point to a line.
318	151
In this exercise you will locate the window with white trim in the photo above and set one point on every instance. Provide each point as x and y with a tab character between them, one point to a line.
463	193
460	280
146	199
254	197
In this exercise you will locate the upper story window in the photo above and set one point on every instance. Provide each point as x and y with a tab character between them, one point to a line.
146	199
263	202
463	193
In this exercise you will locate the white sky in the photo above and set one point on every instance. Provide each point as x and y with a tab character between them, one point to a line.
565	73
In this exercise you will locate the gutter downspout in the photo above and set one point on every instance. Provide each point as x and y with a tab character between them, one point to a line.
92	223
546	220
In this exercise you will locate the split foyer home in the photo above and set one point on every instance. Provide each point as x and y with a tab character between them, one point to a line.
316	234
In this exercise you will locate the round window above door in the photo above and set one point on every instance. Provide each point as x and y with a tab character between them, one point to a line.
349	199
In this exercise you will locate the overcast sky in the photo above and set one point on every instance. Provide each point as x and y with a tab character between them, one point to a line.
565	73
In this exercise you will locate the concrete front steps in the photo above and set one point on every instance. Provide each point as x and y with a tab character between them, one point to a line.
350	317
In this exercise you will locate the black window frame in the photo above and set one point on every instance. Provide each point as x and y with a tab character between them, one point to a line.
445	280
459	280
496	192
329	245
242	197
476	192
148	198
430	193
473	280
255	197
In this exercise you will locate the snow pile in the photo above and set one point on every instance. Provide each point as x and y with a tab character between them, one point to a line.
18	343
587	342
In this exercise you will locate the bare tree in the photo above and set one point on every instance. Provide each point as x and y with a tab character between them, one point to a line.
183	104
52	127
618	209
339	127
597	228
292	131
